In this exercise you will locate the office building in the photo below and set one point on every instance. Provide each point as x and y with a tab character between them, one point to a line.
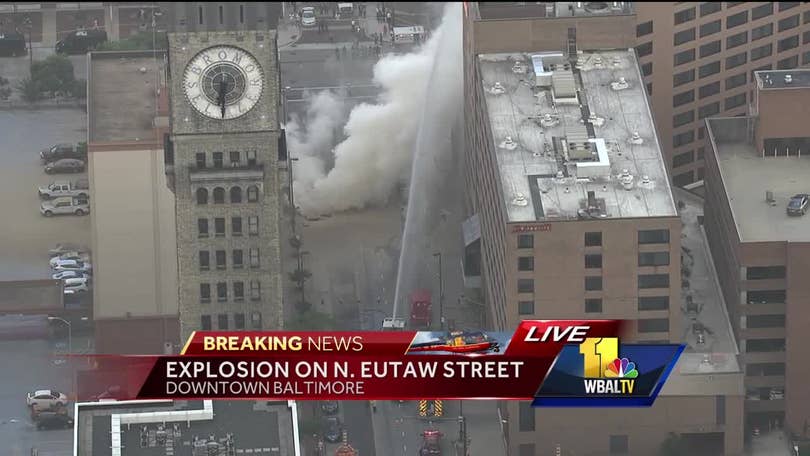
754	165
222	157
131	208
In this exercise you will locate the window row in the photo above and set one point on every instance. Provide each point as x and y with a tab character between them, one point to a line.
594	239
218	159
236	226
594	305
235	195
238	321
707	91
221	259
238	291
714	47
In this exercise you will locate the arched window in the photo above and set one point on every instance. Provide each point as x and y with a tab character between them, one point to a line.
219	195
253	194
236	194
202	196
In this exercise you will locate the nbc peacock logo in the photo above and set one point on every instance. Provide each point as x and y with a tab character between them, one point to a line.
621	368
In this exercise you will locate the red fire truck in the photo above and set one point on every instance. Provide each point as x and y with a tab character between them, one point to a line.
420	309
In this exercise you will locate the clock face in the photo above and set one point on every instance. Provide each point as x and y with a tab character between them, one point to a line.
223	82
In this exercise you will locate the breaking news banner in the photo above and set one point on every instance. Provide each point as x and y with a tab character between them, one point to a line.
554	363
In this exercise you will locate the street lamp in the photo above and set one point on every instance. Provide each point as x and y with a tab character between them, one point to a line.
70	346
441	291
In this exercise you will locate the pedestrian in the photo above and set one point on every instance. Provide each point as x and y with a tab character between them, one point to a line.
337	54
385	29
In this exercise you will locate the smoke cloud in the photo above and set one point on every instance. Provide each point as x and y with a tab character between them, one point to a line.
375	157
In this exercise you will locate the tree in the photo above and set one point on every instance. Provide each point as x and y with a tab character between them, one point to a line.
674	445
53	76
5	91
29	91
300	276
143	41
312	320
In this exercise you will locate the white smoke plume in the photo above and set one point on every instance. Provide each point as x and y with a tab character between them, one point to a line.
375	157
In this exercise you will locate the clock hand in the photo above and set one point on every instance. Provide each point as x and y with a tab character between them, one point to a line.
221	98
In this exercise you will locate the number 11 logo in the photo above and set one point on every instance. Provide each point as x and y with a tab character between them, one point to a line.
597	354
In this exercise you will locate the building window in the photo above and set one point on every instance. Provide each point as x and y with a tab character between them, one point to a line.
761	52
683	138
736	60
237	259
684	57
205	260
653	237
525	285
736	19
525	241
683	179
236	226
254	258
720	410
649	325
806	37
762	31
764	369
710	28
709	89
788	43
222	291
619	444
593	283
683	77
766	297
239	318
593	239
526	264
788	23
253	194
765	321
788	63
218	160
219	227
761	11
806	58
525	307
202	196
683	98
805	17
593	305
764	345
653	258
256	320
253	225
221	15
646	69
200	14
644	29
700	173
709	109
593	261
200	159
701	135
221	262
709	69
648	88
205	322
784	6
653	281
205	292
235	157
526	417
736	40
765	272
683	118
684	16
707	8
236	194
239	291
736	100
644	49
684	36
527	449
222	321
219	195
251	157
762	68
710	49
255	290
653	303
202	228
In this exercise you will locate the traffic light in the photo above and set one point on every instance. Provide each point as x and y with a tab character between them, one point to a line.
423	405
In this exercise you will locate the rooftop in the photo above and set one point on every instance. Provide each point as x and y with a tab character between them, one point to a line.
512	10
783	79
123	95
574	139
147	429
747	176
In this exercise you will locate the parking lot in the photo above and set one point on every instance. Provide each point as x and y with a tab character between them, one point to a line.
25	235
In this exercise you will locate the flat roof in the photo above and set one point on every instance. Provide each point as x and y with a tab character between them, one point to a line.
515	10
262	428
747	176
123	92
778	79
549	157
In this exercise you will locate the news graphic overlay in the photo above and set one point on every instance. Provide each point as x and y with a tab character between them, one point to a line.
548	361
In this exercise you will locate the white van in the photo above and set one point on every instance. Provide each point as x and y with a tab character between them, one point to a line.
409	35
76	285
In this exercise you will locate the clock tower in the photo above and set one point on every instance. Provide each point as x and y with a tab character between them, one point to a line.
223	157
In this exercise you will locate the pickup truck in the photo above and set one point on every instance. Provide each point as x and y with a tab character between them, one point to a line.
80	188
65	205
60	151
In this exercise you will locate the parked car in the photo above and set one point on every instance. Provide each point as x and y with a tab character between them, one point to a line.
80	188
69	274
53	420
65	206
798	204
72	265
81	41
12	44
46	399
78	256
77	285
329	407
64	247
308	18
60	151
332	431
65	165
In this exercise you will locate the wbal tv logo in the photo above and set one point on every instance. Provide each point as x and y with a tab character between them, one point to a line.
605	373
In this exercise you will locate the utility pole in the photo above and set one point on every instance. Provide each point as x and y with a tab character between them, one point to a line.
441	291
